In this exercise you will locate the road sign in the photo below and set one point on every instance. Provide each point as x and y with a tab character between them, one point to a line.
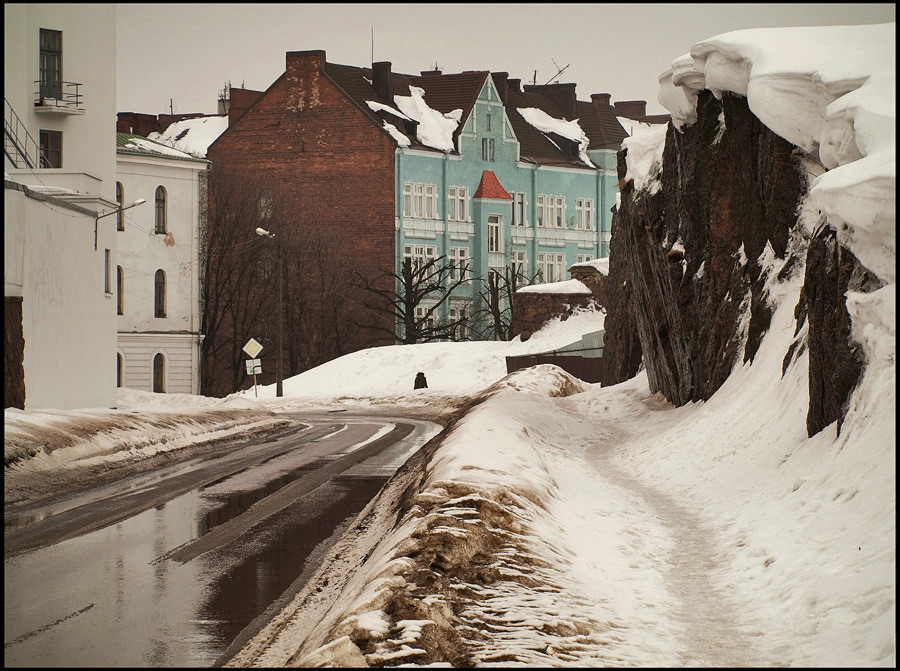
254	367
252	348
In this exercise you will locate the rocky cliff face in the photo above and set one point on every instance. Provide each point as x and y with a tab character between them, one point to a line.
689	265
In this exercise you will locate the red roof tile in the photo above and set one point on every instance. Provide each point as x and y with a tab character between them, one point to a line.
490	187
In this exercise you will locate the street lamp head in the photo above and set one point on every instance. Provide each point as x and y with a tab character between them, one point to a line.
139	201
262	231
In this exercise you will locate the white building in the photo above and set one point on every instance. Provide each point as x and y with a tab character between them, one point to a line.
59	173
158	267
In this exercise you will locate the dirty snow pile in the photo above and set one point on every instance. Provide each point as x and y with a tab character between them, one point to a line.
564	524
37	442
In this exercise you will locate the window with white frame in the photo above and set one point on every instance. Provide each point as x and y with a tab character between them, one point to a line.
584	214
459	264
551	210
420	254
559	212
518	209
458	203
460	313
419	200
584	258
421	311
551	266
487	149
519	262
494	242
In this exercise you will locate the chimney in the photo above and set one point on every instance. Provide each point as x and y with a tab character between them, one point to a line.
501	81
562	94
381	80
600	98
632	109
514	85
430	73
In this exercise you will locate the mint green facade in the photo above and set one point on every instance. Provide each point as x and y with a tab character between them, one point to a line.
576	234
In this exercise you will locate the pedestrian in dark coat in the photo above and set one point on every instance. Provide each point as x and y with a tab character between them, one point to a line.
421	382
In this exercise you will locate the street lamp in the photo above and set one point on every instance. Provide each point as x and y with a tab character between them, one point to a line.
139	201
279	389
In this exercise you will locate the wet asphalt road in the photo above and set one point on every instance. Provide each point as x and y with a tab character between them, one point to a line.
177	567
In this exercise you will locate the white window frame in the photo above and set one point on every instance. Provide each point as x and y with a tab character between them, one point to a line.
584	258
460	312
551	266
407	200
495	234
560	212
419	200
459	264
487	149
419	254
420	313
458	197
519	261
518	209
584	209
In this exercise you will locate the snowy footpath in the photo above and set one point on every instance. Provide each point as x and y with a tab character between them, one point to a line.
558	523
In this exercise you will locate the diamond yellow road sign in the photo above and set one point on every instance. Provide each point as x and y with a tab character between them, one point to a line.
252	348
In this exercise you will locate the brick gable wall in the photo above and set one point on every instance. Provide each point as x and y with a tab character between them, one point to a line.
306	136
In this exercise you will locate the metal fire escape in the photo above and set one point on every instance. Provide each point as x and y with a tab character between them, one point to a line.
19	147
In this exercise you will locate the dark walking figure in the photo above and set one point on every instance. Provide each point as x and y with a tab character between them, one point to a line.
421	382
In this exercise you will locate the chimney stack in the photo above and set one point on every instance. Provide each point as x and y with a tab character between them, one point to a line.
501	81
631	109
381	80
562	94
601	98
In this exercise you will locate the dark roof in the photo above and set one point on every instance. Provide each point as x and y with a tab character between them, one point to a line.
538	147
448	92
598	119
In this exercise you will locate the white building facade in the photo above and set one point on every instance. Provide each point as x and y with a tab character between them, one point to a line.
60	167
158	267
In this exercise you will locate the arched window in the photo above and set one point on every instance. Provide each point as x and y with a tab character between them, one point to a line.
159	295
119	370
159	373
160	210
120	291
120	199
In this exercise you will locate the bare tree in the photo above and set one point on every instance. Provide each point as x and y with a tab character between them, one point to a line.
239	287
426	285
493	316
232	293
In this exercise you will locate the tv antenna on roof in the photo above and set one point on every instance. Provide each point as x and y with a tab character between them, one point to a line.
559	71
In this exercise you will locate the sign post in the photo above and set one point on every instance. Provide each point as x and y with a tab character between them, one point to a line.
254	366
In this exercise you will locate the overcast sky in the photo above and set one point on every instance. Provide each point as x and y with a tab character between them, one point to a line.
185	53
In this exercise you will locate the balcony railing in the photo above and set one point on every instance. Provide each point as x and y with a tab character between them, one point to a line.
58	98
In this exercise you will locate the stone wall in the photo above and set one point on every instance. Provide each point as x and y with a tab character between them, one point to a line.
531	310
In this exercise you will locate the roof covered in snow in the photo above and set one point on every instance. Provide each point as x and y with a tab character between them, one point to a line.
127	143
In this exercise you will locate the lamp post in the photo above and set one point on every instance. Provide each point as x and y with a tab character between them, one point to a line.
139	201
279	389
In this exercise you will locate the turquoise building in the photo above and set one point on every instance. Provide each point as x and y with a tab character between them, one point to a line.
525	179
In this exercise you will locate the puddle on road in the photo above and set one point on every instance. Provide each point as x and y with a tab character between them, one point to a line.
269	558
225	506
